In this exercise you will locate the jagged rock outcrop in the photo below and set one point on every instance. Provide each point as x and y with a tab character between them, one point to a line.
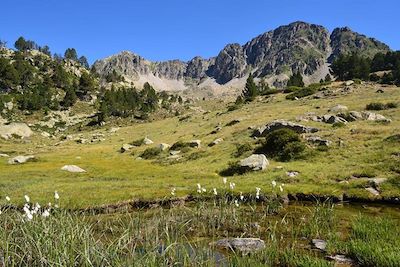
276	54
344	40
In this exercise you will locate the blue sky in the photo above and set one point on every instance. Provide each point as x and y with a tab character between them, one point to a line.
182	29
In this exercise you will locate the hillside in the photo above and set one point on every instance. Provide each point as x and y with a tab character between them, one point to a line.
275	55
358	152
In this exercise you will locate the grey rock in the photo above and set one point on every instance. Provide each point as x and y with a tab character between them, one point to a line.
370	116
126	147
147	141
243	245
174	152
373	191
279	124
2	155
292	174
318	141
20	130
341	259
256	162
331	119
20	159
195	143
319	244
73	169
216	142
164	146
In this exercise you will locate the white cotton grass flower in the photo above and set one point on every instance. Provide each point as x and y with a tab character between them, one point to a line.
258	192
273	183
215	191
46	214
281	188
204	190
1	212
27	199
8	198
56	195
224	180
236	203
241	196
232	185
173	191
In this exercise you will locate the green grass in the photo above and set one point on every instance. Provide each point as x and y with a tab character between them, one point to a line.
113	177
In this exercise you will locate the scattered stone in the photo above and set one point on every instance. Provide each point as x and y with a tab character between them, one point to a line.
216	130
319	244
256	162
373	191
279	124
341	259
318	141
20	159
126	147
216	142
174	152
114	129
147	141
380	91
243	245
81	141
73	168
348	83
45	134
164	146
195	143
370	116
338	108
331	119
4	155
292	174
20	130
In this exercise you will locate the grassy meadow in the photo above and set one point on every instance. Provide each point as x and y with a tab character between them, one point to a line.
114	177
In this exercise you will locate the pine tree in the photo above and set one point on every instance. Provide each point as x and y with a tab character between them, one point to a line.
71	54
263	86
250	90
328	78
69	98
296	80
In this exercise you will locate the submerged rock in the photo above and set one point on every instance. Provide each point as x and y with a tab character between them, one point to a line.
73	168
243	245
256	162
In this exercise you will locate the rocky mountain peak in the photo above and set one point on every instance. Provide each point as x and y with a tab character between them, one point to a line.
275	55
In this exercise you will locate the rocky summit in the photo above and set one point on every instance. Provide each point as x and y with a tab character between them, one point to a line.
274	55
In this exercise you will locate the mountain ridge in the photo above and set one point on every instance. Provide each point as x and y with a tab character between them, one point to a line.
274	55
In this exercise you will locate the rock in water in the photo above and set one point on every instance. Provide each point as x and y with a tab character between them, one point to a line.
20	130
72	168
256	162
20	159
243	245
279	124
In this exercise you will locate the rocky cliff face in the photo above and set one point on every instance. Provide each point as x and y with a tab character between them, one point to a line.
344	40
276	54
